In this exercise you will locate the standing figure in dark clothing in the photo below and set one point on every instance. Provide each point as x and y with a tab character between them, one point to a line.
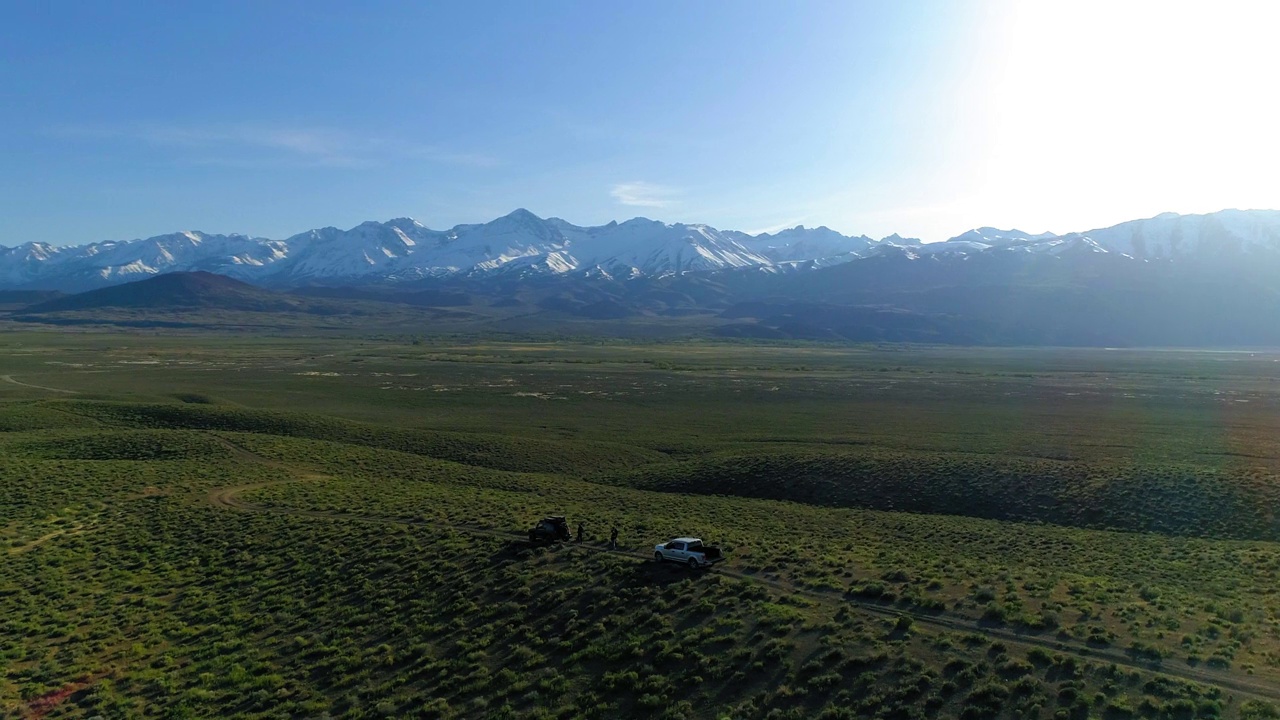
613	538
582	528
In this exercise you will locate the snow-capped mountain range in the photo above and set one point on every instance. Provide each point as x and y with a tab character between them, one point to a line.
523	243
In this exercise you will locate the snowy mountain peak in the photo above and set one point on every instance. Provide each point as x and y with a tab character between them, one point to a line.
996	236
405	222
1170	236
896	239
641	222
34	251
521	243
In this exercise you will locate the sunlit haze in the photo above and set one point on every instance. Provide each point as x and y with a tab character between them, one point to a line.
1099	112
923	119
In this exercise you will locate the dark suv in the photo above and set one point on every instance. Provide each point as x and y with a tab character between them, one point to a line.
550	529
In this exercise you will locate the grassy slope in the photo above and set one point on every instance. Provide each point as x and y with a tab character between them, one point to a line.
489	450
257	613
269	614
1176	500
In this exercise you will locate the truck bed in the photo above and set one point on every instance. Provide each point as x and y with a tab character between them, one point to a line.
710	552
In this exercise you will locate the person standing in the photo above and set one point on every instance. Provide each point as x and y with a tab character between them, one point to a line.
582	529
613	538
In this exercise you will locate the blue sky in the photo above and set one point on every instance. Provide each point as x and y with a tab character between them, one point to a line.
123	120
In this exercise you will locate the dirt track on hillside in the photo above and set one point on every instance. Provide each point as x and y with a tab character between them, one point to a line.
10	379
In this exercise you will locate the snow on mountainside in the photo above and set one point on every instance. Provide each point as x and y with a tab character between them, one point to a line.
1165	237
1068	245
26	263
996	236
111	262
1171	236
800	243
988	239
232	255
522	243
518	242
369	248
656	248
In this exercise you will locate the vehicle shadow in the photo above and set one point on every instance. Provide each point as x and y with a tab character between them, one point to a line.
521	549
659	574
510	551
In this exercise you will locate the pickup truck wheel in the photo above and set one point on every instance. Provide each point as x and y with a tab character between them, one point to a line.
658	557
693	563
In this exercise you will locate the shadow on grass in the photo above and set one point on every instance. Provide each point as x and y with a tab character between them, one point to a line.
660	574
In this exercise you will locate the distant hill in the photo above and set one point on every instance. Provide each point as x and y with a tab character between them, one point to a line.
18	299
186	290
421	298
818	321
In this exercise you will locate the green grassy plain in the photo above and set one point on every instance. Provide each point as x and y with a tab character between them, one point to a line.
201	526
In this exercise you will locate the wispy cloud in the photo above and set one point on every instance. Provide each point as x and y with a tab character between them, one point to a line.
643	194
236	144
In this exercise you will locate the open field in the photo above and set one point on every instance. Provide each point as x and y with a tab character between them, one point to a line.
204	526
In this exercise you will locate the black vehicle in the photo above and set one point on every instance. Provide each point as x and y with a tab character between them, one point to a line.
550	529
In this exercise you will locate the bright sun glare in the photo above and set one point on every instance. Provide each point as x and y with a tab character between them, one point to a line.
1157	105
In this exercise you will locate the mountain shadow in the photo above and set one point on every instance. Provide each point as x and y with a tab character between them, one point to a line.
185	290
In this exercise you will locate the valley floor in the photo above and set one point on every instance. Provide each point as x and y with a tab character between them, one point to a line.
204	526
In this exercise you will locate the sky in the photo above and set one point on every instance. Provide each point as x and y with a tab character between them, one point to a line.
927	118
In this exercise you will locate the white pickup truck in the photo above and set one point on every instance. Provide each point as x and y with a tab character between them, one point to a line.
689	551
